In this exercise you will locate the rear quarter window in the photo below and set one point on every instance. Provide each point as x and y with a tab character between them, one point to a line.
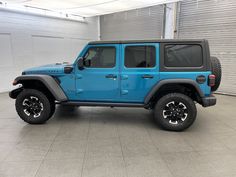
180	55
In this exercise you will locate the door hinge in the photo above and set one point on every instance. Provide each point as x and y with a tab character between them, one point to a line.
79	91
124	92
124	77
79	76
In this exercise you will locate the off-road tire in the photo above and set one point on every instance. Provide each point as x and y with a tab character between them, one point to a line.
27	94
53	108
216	70
161	107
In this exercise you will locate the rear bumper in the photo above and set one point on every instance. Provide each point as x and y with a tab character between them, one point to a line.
209	101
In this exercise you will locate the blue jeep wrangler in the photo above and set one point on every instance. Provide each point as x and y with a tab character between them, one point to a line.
168	76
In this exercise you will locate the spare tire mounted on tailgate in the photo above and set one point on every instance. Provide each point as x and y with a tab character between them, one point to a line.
216	70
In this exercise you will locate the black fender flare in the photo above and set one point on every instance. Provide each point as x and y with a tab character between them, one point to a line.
172	81
49	82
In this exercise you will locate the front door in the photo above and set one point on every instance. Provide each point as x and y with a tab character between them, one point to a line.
98	81
139	71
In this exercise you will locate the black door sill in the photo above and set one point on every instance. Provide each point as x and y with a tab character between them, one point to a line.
103	104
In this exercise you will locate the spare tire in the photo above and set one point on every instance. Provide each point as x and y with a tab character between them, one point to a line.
216	70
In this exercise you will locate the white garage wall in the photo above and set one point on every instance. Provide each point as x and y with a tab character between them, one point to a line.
27	41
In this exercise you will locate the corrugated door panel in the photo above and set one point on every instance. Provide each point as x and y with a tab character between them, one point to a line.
214	20
145	23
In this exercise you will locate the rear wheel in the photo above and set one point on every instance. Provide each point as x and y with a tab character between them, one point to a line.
33	106
175	112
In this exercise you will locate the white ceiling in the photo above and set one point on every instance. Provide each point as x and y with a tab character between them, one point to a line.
87	8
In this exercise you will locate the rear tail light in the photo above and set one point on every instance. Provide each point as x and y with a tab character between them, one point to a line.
211	80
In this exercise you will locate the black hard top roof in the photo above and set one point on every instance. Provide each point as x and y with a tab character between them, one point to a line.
150	41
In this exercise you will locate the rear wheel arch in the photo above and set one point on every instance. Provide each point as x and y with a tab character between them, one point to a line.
184	86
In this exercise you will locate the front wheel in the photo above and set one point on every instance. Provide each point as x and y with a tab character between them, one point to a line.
175	112
33	106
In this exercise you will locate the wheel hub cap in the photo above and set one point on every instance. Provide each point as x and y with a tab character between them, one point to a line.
175	112
32	106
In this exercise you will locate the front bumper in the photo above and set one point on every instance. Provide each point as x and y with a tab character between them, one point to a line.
209	101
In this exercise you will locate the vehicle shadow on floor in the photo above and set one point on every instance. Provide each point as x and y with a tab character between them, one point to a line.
103	115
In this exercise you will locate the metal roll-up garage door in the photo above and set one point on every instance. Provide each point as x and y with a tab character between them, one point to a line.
214	20
145	23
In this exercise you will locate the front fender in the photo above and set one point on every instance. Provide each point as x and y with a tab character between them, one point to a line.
13	94
49	82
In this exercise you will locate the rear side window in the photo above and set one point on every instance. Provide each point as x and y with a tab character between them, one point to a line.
183	55
140	56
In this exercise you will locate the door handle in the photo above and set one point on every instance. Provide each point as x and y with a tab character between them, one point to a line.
147	76
111	76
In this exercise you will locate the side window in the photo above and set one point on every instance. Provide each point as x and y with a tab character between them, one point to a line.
100	57
183	55
140	56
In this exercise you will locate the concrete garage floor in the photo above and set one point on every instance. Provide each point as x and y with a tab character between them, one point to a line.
118	142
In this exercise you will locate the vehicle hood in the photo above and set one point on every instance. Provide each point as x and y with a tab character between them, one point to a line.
50	69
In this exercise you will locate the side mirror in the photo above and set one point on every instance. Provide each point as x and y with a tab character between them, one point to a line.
68	69
80	64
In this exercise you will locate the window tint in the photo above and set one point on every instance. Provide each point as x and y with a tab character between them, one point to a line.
100	57
183	56
140	56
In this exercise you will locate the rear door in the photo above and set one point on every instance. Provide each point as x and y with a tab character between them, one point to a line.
139	70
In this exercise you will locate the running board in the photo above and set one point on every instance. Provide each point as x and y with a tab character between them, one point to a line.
103	104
